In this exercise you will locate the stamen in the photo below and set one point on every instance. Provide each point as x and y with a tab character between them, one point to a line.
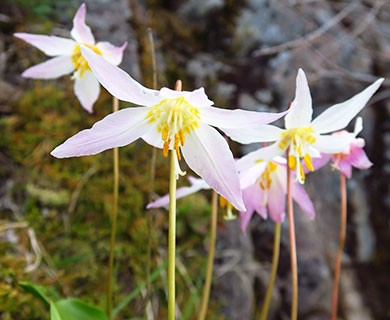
292	162
308	162
166	147
165	132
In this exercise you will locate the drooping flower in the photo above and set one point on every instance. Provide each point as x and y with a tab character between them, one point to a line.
170	120
264	189
353	156
304	137
68	59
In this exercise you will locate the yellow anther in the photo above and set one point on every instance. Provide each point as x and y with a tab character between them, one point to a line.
166	147
292	162
165	132
302	172
79	62
175	118
222	202
308	162
265	178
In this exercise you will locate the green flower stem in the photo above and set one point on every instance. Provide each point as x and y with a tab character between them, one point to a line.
172	239
210	259
293	249
271	282
343	231
115	107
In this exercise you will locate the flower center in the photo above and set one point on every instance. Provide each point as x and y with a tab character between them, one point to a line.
298	140
265	178
79	62
175	118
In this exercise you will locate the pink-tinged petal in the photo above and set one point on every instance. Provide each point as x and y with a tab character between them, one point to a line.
276	201
334	143
118	82
87	90
264	154
358	158
262	133
339	116
237	119
111	53
208	155
197	184
80	31
318	163
301	107
245	218
344	167
50	69
116	130
302	198
50	45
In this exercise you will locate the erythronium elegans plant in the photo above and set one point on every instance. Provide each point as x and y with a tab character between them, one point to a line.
352	156
264	188
303	137
169	120
68	59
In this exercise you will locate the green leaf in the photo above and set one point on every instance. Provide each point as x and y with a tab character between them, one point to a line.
74	309
36	290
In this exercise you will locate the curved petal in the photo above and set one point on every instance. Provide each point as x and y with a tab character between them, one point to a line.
344	167
237	119
198	98
118	82
50	45
111	53
245	135
180	193
80	31
153	138
208	155
334	143
255	157
276	201
301	107
301	197
358	158
338	116
116	130
50	69
249	176
87	90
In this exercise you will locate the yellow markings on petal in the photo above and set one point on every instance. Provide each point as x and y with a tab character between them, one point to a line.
79	62
265	177
175	118
297	139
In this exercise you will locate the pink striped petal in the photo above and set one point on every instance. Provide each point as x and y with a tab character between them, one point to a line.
118	82
276	201
358	158
197	184
112	53
344	167
301	197
301	108
87	90
208	155
80	31
50	45
50	69
116	130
